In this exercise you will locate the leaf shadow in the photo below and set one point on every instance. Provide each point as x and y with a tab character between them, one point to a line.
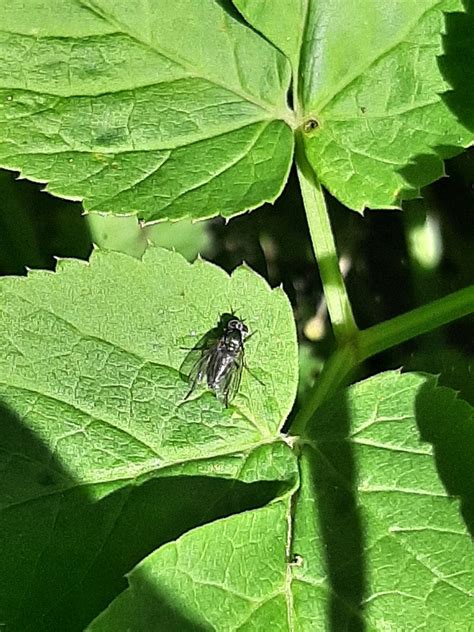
443	420
67	545
456	64
229	7
423	169
334	478
452	438
143	607
456	67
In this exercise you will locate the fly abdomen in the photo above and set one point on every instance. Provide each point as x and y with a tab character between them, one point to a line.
220	364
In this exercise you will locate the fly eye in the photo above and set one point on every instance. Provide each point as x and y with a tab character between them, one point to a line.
237	325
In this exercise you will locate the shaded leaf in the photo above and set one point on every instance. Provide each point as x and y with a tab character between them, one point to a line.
93	413
376	541
397	553
229	575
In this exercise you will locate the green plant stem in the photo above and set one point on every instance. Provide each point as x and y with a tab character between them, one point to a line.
355	346
337	300
379	338
414	323
335	370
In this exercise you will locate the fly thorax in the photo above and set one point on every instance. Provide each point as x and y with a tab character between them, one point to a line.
233	342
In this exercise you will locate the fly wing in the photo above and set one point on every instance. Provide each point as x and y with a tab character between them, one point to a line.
229	385
194	365
198	372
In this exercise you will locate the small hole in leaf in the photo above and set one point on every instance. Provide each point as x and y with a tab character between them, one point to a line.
310	126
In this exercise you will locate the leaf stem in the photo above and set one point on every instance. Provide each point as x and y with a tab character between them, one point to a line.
337	300
379	338
355	346
335	370
414	323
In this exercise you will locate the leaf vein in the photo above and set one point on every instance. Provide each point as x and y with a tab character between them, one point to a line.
360	72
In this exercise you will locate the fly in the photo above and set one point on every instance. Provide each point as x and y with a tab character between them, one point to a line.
222	357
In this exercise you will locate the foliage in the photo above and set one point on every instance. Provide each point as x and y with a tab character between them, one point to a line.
125	503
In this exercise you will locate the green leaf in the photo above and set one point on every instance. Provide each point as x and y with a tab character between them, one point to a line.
454	367
375	538
93	411
124	233
114	349
282	22
123	109
397	554
188	238
370	78
228	575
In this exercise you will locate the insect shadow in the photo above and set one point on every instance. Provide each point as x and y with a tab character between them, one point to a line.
217	359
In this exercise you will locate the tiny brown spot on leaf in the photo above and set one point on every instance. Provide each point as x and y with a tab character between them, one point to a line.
310	125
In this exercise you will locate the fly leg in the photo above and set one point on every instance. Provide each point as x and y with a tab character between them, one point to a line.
246	367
